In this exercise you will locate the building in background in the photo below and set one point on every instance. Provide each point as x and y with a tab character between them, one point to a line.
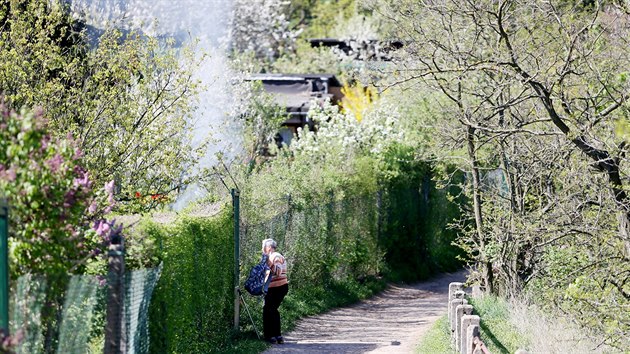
296	92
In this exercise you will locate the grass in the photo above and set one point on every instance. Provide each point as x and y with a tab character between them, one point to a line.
244	343
497	331
437	339
554	333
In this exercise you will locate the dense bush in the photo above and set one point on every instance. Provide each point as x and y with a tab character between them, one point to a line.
445	204
52	197
56	225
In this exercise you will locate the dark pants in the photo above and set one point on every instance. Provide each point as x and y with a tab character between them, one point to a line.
271	316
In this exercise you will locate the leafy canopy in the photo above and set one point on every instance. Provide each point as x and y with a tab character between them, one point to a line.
126	98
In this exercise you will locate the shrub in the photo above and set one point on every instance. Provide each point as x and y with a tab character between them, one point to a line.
51	197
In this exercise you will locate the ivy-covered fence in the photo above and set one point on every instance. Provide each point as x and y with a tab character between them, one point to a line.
192	308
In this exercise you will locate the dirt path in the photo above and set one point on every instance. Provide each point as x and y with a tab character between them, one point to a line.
391	322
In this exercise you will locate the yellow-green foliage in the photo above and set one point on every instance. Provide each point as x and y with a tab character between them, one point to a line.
321	16
358	99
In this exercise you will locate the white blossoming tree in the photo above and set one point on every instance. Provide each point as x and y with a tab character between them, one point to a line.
342	155
340	135
262	27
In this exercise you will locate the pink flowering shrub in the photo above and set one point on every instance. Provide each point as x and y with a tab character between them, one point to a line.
9	342
56	214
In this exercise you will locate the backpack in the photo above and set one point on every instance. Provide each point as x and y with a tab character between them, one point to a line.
259	278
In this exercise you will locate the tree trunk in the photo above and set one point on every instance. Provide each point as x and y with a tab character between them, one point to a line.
624	230
486	267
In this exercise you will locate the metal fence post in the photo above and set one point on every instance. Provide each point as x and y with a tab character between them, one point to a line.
4	266
115	326
236	205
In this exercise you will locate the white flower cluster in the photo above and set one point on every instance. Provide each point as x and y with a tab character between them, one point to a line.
262	27
341	136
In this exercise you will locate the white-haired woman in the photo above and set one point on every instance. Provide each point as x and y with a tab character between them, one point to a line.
278	289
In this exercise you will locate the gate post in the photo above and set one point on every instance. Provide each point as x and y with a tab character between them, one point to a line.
115	326
4	267
237	276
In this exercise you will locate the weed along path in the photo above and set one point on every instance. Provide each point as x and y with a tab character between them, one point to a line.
390	322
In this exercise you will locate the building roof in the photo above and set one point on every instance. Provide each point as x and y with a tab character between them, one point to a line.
295	91
330	78
360	49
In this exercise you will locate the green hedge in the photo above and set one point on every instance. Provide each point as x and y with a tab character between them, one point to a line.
192	307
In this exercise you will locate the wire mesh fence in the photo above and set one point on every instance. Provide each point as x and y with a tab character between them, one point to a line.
140	286
78	314
77	325
320	240
324	240
27	304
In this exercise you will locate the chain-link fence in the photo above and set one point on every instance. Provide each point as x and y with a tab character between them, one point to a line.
325	241
139	289
400	230
77	326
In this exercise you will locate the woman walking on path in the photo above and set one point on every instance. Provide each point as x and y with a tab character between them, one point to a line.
278	289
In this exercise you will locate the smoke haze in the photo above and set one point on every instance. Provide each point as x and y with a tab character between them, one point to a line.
204	20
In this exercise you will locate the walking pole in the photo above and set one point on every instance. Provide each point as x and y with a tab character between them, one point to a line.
235	205
4	267
248	313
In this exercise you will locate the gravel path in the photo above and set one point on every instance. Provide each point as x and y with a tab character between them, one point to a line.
390	322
